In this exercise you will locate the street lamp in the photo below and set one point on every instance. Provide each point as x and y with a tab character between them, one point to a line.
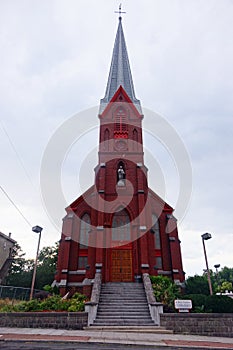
36	229
205	237
217	267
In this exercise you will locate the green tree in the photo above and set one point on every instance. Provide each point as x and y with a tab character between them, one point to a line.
47	262
225	275
19	260
225	286
197	285
21	271
221	280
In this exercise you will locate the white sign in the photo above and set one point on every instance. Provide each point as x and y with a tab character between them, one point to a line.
183	304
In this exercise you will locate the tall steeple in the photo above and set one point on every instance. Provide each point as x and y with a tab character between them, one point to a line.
119	226
120	73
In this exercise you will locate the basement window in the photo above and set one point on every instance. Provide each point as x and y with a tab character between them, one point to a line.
158	262
82	262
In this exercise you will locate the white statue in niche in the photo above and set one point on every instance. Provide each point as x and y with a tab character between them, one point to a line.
121	176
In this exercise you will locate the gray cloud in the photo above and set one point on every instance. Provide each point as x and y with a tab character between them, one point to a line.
55	61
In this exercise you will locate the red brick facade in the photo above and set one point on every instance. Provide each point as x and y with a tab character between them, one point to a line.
118	226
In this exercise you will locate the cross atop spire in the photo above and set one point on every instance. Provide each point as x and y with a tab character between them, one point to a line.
120	72
120	12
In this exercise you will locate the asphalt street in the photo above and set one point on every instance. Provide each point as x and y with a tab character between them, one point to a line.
33	345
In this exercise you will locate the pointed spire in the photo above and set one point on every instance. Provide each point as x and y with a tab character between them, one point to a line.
120	73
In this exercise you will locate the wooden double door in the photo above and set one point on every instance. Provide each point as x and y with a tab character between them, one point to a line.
121	265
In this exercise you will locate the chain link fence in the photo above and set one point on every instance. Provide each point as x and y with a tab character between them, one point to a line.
16	293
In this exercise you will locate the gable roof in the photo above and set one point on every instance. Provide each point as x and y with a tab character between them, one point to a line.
126	99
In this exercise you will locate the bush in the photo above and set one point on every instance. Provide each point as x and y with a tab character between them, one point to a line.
52	303
26	306
212	303
198	302
197	285
165	291
219	303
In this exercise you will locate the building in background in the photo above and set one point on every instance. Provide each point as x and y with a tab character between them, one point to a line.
6	247
119	226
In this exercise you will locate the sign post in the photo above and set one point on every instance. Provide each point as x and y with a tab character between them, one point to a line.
183	305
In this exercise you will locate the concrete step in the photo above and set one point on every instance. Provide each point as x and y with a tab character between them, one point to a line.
128	304
123	317
123	323
131	329
131	304
114	291
122	308
126	301
123	297
123	304
125	312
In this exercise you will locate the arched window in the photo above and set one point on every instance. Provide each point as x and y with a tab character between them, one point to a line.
106	139
84	231
156	231
121	226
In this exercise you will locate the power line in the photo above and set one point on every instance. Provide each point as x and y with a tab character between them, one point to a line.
12	202
17	154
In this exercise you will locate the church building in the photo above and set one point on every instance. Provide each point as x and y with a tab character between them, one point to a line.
119	226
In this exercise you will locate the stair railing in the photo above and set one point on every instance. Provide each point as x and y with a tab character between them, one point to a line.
92	305
155	307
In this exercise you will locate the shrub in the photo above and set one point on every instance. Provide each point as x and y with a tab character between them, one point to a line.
165	291
52	303
219	303
212	303
197	285
51	290
26	306
198	302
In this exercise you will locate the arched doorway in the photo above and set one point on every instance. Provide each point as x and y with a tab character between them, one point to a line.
121	253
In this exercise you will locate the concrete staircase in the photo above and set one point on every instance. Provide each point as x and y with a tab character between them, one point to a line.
123	304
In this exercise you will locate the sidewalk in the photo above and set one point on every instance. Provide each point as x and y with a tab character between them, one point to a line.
124	337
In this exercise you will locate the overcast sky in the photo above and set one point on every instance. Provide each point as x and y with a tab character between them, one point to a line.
54	63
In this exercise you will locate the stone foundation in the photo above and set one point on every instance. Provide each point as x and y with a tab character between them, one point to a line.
219	325
57	320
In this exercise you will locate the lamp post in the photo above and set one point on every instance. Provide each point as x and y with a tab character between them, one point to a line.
36	229
217	267
205	237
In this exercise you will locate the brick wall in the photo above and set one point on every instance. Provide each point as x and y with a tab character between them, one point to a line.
219	325
57	320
